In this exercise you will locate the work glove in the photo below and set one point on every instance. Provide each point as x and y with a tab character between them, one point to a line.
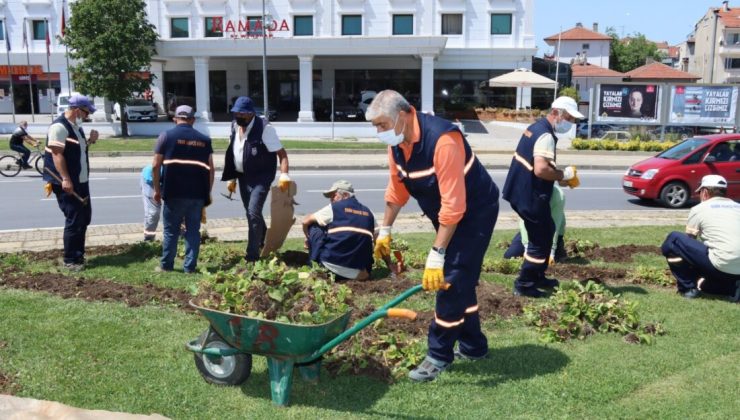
434	277
203	218
383	243
47	189
284	182
570	177
231	186
551	260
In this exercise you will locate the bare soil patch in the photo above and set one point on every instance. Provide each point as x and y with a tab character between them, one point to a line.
622	253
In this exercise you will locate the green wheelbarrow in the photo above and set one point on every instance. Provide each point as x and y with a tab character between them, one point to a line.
223	353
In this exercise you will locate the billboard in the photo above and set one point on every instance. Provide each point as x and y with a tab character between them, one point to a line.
628	103
703	104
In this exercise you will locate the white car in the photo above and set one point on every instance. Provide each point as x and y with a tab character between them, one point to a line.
136	110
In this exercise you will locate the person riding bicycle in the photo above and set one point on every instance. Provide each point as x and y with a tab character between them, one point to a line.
16	143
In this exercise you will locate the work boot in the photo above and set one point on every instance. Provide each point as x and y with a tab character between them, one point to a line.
691	293
26	166
532	292
459	355
546	283
428	370
560	252
736	296
74	267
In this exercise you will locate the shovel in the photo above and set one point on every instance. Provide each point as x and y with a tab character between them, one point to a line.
229	196
84	201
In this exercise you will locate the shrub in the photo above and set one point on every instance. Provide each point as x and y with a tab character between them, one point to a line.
632	145
649	275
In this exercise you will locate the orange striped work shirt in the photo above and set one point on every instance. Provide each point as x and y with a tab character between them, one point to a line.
449	164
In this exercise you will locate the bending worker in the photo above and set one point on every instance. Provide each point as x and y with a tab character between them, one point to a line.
431	161
711	266
529	187
557	251
251	158
340	235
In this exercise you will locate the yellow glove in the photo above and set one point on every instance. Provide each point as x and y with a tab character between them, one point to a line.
203	218
383	243
47	189
284	182
434	278
574	182
231	186
551	260
570	176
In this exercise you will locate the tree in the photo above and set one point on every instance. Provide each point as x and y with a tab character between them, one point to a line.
112	42
629	54
569	91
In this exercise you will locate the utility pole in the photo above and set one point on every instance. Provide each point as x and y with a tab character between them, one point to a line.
264	61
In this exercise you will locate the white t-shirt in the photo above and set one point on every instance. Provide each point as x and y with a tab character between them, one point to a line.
269	137
544	146
58	137
717	223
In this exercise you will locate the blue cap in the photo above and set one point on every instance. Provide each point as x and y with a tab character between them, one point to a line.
81	101
243	104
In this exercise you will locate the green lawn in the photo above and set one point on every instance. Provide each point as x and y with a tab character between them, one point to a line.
113	357
138	144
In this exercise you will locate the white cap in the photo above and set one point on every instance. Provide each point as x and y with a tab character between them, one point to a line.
712	181
568	104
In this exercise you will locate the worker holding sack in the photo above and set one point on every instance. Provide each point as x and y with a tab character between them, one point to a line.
431	161
251	159
529	188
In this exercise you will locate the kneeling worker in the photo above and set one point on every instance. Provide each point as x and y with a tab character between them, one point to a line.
340	235
714	265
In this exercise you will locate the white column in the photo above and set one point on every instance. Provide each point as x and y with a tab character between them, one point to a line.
427	83
202	91
526	97
305	67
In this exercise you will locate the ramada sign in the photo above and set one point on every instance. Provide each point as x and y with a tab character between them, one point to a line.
247	28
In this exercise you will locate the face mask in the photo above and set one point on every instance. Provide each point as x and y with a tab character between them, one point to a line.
390	137
78	121
563	126
243	121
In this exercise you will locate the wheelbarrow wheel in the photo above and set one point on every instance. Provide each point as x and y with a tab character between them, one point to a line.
222	370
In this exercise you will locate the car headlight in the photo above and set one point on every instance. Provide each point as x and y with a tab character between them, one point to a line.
649	174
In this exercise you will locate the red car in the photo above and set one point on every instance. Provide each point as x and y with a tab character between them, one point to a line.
672	176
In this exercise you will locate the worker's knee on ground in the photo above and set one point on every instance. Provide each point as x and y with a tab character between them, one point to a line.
667	247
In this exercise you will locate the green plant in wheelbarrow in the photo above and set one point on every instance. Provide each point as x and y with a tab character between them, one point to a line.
291	316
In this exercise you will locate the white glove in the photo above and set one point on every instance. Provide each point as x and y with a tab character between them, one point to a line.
384	231
435	260
284	181
568	173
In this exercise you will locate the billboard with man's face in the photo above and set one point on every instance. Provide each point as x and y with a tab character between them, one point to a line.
703	104
628	103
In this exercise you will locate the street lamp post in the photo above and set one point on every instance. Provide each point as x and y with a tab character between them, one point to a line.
264	61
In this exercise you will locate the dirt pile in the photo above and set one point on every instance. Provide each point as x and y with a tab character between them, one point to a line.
622	253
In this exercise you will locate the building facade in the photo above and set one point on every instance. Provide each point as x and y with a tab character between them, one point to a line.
716	42
579	45
435	52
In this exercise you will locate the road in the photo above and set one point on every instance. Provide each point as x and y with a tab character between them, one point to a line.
116	197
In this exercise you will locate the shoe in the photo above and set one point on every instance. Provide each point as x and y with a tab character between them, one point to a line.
76	267
149	238
546	283
691	293
532	292
27	166
428	370
736	296
459	355
160	269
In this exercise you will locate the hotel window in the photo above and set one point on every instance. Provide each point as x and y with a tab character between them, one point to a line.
352	25
179	28
403	24
214	27
302	25
39	30
501	24
452	24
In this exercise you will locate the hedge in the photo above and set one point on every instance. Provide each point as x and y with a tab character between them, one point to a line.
632	145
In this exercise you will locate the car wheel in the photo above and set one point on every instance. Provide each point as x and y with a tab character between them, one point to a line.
675	194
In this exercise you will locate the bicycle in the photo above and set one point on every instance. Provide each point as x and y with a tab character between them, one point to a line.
11	165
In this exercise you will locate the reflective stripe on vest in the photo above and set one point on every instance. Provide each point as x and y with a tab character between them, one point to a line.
471	309
523	162
534	260
72	140
674	260
186	162
446	324
430	171
349	229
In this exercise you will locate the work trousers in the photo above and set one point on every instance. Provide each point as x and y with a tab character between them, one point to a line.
77	217
540	232
456	317
689	262
175	211
253	198
22	150
152	210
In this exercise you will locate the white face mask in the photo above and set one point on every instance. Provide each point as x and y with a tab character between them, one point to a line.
78	121
390	137
563	127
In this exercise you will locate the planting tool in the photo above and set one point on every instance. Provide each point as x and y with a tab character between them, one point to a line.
77	196
229	196
223	353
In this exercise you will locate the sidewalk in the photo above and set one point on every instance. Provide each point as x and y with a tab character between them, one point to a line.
235	229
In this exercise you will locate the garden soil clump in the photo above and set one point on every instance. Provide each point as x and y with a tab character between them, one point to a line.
622	253
583	272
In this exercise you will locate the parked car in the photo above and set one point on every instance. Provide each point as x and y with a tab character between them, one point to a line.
681	131
345	111
597	129
672	177
366	97
616	135
136	110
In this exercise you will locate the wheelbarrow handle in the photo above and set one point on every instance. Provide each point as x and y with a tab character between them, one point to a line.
381	312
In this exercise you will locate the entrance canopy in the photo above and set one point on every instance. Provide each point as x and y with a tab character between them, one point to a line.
522	78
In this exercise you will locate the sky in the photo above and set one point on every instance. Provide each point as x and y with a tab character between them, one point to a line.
658	20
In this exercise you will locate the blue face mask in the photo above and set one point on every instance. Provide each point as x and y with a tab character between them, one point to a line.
390	137
563	127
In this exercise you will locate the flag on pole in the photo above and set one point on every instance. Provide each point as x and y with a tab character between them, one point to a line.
7	39
48	41
64	22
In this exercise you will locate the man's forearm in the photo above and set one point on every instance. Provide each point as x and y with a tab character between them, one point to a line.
284	165
391	212
444	235
61	165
